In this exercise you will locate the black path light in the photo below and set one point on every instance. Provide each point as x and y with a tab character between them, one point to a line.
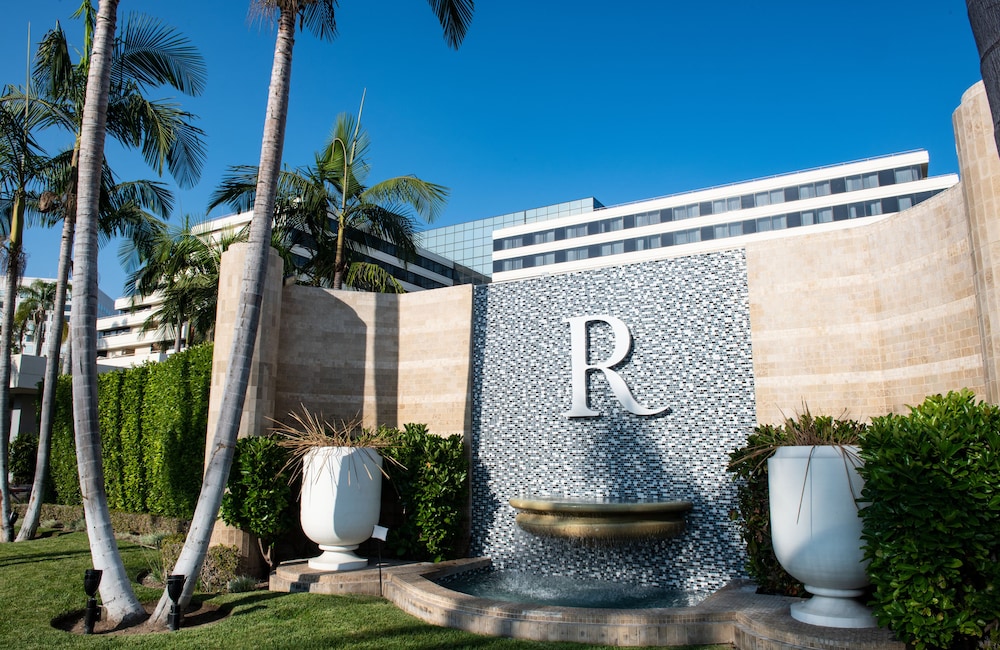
91	582
380	533
175	586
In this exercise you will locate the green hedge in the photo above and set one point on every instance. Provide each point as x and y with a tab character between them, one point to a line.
431	482
153	421
932	530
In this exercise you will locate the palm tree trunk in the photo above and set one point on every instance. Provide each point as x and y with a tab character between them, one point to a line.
14	262
984	17
223	440
39	334
32	515
116	590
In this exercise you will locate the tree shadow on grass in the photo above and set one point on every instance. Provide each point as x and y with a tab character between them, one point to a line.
41	557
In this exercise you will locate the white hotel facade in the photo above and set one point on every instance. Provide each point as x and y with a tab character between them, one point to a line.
724	217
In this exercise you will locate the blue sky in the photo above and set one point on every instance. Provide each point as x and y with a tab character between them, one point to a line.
558	100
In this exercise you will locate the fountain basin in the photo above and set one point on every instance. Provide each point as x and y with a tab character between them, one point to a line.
604	520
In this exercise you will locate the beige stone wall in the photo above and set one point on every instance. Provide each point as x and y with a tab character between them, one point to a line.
259	404
388	359
979	167
865	320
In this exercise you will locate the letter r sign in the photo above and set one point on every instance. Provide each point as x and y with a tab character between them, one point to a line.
580	368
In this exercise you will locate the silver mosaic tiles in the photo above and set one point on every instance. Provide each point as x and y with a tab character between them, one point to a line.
690	325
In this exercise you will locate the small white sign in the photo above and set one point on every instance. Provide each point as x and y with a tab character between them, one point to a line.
379	532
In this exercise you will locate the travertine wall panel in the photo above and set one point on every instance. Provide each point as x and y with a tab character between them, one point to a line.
979	167
386	359
259	403
866	320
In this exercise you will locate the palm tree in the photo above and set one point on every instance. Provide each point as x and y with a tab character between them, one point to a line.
145	56
125	209
319	17
183	268
20	165
329	209
116	591
37	301
984	17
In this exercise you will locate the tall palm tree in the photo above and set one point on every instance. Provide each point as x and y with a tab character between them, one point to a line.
318	16
20	165
37	302
128	209
330	205
183	268
984	17
146	55
116	590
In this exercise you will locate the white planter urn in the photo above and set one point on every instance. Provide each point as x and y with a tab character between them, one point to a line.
341	498
816	531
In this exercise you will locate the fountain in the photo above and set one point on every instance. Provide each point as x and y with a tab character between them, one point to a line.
606	520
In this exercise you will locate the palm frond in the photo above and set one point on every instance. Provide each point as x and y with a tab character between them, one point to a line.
155	54
368	276
455	17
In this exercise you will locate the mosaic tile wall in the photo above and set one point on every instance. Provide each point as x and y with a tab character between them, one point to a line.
690	326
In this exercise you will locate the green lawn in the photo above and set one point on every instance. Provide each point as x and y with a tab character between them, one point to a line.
43	579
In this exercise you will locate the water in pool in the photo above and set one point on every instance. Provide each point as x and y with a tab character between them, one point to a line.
524	587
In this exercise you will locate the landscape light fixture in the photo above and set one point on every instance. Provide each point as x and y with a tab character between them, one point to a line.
380	533
175	587
91	582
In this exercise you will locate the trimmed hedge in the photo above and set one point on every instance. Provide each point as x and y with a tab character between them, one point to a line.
932	529
153	421
431	482
123	522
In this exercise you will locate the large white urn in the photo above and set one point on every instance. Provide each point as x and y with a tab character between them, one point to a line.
816	531
341	495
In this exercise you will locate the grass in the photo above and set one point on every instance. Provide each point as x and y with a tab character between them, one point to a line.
43	579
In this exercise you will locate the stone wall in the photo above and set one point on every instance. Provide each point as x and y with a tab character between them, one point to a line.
865	320
386	359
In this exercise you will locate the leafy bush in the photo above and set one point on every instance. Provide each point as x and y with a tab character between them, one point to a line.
749	466
933	480
218	570
431	479
258	495
23	453
753	514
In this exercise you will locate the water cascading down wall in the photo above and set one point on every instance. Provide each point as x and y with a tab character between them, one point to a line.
688	319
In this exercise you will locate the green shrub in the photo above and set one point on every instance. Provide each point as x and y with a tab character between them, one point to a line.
753	514
258	495
23	453
431	481
219	568
749	467
931	530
